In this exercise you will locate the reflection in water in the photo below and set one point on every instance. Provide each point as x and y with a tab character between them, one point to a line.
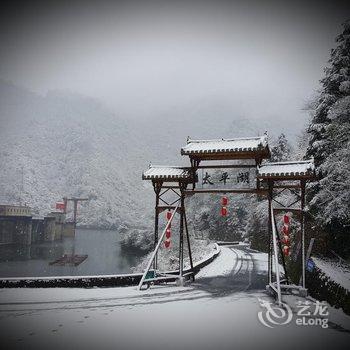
102	247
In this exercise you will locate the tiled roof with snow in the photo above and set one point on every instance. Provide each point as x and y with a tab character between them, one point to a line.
287	169
249	144
167	173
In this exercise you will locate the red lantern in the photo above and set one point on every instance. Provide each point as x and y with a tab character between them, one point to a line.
285	239
286	219
224	201
285	229
168	230
286	250
223	211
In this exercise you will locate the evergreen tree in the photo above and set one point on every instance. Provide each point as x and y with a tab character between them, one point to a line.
329	139
257	223
281	151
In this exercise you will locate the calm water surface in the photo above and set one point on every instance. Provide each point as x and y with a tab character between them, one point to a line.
105	256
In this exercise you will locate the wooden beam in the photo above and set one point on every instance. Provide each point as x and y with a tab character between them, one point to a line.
286	177
161	208
161	179
284	209
171	187
228	155
227	166
287	186
240	190
77	199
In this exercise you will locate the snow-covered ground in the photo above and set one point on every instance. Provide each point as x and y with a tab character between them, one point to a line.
168	258
339	273
219	310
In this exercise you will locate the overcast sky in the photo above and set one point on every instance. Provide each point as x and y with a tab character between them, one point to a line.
142	58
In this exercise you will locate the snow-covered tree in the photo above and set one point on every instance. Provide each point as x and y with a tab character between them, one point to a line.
329	139
281	150
257	223
205	219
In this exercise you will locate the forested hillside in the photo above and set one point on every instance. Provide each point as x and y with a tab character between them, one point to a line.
67	145
63	144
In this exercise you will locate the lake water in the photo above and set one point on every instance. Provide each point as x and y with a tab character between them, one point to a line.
103	248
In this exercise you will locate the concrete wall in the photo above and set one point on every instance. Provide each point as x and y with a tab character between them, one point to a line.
49	229
58	231
7	227
16	230
37	230
28	230
24	231
56	228
68	229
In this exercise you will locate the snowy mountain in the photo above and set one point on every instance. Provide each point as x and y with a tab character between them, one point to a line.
63	144
67	145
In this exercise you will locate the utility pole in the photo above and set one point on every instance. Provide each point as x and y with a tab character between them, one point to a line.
22	185
75	206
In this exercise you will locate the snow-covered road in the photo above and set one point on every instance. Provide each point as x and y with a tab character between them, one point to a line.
219	310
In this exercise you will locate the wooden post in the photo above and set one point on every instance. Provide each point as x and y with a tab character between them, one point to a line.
270	233
188	243
308	254
181	243
257	163
302	201
75	204
65	201
279	241
194	167
157	186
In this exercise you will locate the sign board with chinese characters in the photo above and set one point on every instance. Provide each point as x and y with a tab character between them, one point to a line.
227	178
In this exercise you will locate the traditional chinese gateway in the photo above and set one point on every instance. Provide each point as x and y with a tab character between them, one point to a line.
228	166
